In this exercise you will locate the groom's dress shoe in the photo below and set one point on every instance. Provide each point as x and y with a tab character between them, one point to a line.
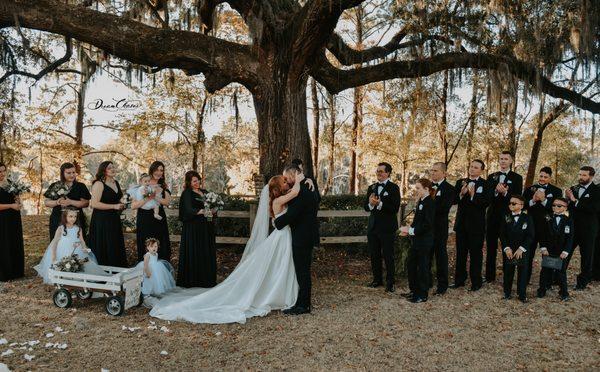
298	310
374	284
390	288
289	311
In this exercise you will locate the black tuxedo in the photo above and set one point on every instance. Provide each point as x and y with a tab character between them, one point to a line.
422	230
470	231
443	201
381	231
539	212
301	216
514	235
496	211
585	217
558	238
316	227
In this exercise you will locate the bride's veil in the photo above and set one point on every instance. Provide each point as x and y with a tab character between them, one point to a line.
260	229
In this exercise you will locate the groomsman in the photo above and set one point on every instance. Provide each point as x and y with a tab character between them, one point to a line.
383	202
444	198
538	202
504	183
584	204
472	197
516	236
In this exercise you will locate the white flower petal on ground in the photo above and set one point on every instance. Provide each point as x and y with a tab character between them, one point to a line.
164	352
4	368
3	341
58	329
164	329
152	327
62	346
28	357
33	343
49	334
49	345
218	334
7	352
104	370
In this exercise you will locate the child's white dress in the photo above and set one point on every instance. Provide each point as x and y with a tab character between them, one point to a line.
65	247
138	194
161	280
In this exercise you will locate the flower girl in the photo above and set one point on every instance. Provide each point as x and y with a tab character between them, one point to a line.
144	191
68	240
158	277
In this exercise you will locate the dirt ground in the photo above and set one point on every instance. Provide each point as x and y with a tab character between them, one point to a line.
352	327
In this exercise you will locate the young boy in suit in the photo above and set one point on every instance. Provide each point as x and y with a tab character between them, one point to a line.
516	236
558	242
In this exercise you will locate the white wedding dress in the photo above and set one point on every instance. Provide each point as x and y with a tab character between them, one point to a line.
263	281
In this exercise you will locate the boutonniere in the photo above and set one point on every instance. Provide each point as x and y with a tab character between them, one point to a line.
567	229
507	219
496	177
548	218
525	226
420	207
533	189
509	181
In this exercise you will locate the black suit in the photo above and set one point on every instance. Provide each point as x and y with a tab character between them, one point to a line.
443	201
422	236
539	212
301	216
585	216
470	231
514	235
496	211
381	231
557	238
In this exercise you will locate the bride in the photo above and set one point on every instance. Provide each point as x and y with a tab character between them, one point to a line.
263	281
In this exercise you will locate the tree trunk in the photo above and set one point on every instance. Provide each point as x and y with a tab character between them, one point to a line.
512	118
357	110
199	143
79	121
282	127
537	144
2	124
331	174
473	116
316	127
443	127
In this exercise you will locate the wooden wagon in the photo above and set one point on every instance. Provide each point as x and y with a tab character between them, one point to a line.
122	287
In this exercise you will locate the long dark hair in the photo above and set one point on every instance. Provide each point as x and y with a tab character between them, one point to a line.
63	168
188	178
101	173
427	184
153	167
63	218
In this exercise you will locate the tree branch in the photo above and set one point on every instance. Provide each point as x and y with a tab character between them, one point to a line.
134	41
46	70
337	80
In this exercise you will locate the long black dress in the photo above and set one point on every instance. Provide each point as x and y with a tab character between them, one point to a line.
78	191
197	251
149	227
106	233
12	253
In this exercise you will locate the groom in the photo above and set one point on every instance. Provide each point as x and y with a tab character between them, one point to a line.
301	216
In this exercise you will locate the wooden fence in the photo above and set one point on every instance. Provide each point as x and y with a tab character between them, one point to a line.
251	215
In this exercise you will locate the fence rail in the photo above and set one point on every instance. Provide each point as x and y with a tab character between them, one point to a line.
251	215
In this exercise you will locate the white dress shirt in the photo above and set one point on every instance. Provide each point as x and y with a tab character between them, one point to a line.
516	217
379	190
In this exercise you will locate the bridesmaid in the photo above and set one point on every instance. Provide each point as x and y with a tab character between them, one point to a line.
146	225
12	253
77	197
106	233
197	251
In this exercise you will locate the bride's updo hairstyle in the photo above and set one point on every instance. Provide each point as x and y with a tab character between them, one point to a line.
275	191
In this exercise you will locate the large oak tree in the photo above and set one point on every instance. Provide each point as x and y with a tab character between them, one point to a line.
288	41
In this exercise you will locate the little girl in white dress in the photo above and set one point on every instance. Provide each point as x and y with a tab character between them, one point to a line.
68	240
158	274
141	192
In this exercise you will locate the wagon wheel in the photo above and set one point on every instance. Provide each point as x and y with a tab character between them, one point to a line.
115	305
84	295
62	298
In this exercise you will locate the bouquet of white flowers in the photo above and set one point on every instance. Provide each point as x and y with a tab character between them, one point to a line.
212	201
17	187
71	264
57	190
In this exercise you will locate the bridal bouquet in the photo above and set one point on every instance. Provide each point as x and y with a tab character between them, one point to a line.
17	187
71	264
57	190
147	192
212	201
